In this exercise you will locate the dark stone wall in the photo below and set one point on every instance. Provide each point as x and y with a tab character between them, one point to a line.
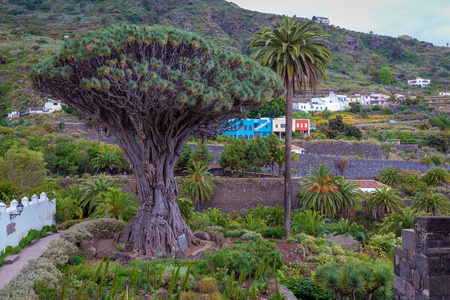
358	168
422	264
340	148
244	193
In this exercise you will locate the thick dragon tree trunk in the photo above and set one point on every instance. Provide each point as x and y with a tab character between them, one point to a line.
158	222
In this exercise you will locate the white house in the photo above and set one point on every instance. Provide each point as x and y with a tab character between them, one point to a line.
333	103
13	114
444	94
297	149
374	99
52	105
321	20
36	110
419	81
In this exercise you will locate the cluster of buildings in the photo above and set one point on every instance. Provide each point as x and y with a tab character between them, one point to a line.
250	128
49	107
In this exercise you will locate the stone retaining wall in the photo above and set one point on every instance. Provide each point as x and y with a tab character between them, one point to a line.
422	264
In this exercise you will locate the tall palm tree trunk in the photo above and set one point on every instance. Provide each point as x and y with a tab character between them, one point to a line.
287	163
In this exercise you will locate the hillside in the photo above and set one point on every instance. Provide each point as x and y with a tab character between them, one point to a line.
31	30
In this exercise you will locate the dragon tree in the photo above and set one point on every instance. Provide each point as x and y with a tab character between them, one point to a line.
153	87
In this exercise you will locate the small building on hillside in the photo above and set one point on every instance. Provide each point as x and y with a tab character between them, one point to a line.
321	20
241	129
369	186
444	94
13	114
36	110
301	125
52	105
297	149
419	81
332	102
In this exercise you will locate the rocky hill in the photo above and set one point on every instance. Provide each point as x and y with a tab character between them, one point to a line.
31	30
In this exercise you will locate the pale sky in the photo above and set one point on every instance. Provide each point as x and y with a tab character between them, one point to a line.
426	20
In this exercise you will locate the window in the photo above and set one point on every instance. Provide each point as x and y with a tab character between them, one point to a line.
276	125
267	126
251	136
264	134
301	125
240	127
250	127
240	136
246	137
283	125
245	127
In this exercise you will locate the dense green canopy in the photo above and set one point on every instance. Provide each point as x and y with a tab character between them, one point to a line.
144	70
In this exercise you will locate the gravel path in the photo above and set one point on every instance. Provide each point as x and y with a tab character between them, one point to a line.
8	272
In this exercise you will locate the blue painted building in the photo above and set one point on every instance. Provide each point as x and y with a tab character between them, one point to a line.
242	129
263	127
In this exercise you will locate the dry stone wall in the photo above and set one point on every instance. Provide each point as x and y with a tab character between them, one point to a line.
422	263
244	193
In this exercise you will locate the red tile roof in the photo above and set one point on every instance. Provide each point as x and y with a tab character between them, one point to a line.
366	184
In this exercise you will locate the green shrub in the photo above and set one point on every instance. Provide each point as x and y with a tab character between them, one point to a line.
252	236
304	288
76	260
86	230
70	223
59	251
275	232
22	286
236	233
245	255
386	242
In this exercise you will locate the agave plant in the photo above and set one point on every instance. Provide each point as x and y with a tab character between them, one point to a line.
309	222
345	281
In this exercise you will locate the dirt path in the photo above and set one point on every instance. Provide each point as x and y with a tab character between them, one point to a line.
8	272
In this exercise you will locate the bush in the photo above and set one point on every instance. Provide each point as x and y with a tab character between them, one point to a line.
252	236
22	286
275	232
236	233
304	288
386	110
386	242
86	230
59	251
247	255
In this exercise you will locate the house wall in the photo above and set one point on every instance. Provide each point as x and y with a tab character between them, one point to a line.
422	263
38	212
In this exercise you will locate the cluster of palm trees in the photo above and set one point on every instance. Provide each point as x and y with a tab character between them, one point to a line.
95	198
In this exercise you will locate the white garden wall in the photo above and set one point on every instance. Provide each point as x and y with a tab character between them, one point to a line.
37	212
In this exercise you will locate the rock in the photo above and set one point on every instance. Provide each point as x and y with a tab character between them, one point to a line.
180	255
217	238
163	294
202	236
347	242
86	244
182	243
200	255
92	251
11	259
105	234
122	257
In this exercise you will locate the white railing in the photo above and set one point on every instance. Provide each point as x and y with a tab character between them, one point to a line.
37	212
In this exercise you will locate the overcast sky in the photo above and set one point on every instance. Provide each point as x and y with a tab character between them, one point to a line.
426	20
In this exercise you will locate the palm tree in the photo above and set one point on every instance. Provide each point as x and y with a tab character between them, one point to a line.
185	206
93	189
106	160
384	200
434	203
309	222
115	203
436	176
387	148
198	184
320	192
395	222
351	196
293	50
390	176
279	157
345	226
252	223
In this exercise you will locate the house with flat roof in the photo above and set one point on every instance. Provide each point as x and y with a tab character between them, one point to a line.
419	81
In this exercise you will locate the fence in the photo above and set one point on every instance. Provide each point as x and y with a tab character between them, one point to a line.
37	212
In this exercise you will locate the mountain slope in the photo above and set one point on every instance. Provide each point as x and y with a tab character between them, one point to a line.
222	22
